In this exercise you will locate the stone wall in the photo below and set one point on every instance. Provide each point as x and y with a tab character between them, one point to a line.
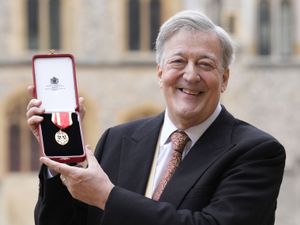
115	82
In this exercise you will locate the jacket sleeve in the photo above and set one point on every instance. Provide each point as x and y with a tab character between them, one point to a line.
246	193
55	205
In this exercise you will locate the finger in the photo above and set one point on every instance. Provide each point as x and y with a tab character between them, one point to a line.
31	90
91	159
34	108
34	112
82	108
34	121
81	101
63	180
34	103
80	165
57	167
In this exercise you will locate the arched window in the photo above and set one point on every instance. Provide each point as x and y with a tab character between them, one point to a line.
286	28
143	24
43	24
264	28
14	145
23	149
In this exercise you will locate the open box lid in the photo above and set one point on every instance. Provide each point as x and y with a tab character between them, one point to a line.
55	82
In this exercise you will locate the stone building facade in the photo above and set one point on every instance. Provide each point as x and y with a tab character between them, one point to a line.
112	42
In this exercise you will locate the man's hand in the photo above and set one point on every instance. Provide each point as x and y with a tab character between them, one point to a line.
81	108
90	185
35	111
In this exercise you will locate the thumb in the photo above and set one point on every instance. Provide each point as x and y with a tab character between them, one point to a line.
91	159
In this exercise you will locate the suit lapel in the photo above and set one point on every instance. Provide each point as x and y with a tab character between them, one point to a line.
137	155
205	152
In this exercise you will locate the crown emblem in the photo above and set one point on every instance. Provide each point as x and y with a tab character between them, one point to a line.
54	80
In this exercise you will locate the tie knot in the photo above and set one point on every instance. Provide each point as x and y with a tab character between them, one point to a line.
179	140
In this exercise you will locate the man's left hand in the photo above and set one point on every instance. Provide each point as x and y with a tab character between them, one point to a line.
90	185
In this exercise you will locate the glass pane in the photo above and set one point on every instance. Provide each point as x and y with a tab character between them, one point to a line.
231	24
286	28
264	28
14	148
134	25
154	22
32	24
54	18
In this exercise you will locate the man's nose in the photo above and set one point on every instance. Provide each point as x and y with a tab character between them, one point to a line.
191	73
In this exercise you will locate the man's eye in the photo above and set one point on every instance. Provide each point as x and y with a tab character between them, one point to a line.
177	61
206	66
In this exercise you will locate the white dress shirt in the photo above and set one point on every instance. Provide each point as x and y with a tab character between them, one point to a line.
164	150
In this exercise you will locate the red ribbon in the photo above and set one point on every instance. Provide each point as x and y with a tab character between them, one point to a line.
62	119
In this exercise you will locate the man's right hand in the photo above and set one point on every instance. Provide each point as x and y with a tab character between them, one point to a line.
34	112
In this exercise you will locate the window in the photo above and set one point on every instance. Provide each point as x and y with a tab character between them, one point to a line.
43	24
134	24
264	24
32	21
54	18
23	149
280	26
286	29
232	24
154	22
143	24
14	147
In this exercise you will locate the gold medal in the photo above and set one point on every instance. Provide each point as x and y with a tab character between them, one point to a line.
61	137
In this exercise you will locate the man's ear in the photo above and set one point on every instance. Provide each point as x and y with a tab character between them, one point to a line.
225	79
159	75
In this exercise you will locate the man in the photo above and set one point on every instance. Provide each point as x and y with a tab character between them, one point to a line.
230	171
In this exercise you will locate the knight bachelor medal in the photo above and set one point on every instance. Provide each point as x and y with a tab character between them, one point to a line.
61	137
62	120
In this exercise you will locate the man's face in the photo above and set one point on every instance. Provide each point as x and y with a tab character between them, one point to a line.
192	77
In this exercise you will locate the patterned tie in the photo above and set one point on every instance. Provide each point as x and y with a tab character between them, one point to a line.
178	140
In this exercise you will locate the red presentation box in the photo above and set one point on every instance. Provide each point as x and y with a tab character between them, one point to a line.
55	84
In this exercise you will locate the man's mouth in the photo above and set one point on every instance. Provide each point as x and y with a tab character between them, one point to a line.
190	92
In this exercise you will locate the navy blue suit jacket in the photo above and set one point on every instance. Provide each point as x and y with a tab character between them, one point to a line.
231	176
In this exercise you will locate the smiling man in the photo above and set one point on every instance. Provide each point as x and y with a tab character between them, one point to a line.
192	76
192	164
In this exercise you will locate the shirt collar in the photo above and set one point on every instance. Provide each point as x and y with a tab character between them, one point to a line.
194	132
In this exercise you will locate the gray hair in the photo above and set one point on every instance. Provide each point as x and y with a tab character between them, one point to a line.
193	20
